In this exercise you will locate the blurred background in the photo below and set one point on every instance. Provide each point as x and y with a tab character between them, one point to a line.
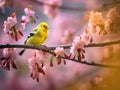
66	18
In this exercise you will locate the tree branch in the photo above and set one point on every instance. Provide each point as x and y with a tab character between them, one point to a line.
89	45
48	49
53	47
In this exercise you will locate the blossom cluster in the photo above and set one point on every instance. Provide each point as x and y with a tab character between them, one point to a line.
36	65
96	23
59	51
29	15
13	28
78	44
100	25
8	58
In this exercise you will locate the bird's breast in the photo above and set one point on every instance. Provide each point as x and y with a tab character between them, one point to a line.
36	40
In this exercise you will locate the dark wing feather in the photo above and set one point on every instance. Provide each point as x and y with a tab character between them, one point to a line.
30	35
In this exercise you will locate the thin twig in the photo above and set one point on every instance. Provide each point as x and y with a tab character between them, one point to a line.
48	49
89	45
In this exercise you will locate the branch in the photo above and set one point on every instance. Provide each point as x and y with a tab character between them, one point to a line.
53	47
48	49
89	45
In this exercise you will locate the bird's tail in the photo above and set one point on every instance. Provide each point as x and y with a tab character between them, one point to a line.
21	52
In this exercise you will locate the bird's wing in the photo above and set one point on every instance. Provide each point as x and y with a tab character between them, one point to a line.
30	35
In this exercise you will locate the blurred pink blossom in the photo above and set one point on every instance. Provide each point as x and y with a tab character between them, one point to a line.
67	37
30	14
41	57
8	58
51	8
50	12
35	67
55	2
2	5
86	37
9	52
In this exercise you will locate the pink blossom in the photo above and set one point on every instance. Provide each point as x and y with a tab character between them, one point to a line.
2	3
86	37
78	45
8	57
72	48
50	9
67	37
24	19
78	42
7	27
29	15
11	21
35	67
59	51
16	35
41	57
55	2
11	29
9	52
50	12
29	12
22	26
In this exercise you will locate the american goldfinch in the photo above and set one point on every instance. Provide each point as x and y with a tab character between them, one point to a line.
37	36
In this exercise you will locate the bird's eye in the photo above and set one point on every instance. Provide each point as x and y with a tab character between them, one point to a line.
45	26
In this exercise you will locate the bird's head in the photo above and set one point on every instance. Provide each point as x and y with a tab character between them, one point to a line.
44	25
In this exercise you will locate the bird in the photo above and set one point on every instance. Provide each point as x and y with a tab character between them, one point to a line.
37	36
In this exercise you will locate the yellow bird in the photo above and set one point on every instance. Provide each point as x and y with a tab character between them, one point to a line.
37	36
